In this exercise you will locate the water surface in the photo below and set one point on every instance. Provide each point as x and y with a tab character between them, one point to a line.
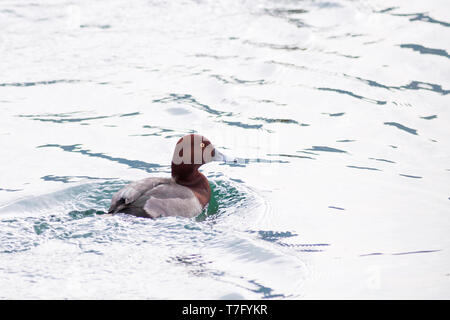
340	109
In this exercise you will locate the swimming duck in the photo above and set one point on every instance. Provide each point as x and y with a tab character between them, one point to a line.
185	194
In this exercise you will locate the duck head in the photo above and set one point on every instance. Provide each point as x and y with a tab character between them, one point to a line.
191	152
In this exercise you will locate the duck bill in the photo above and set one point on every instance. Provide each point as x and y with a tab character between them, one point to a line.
219	156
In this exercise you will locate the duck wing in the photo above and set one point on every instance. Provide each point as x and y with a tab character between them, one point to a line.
156	197
131	192
170	200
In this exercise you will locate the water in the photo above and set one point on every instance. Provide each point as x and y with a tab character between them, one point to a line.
340	109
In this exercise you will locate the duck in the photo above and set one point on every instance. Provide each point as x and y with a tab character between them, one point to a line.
186	193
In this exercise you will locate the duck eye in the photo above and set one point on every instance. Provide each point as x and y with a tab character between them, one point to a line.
202	145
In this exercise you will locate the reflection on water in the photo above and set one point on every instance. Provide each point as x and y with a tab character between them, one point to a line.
338	111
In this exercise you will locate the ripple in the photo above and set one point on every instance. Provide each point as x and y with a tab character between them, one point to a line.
326	149
349	56
401	127
290	156
190	100
288	14
337	208
415	252
243	125
410	176
364	168
398	253
76	217
96	26
70	179
349	93
425	50
382	160
212	56
285	11
274	46
276	237
419	85
339	114
234	80
413	85
429	117
67	117
421	17
286	121
10	190
37	83
135	164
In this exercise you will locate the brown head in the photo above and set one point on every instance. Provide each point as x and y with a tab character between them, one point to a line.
191	152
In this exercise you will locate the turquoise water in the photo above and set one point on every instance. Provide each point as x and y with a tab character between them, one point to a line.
339	108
